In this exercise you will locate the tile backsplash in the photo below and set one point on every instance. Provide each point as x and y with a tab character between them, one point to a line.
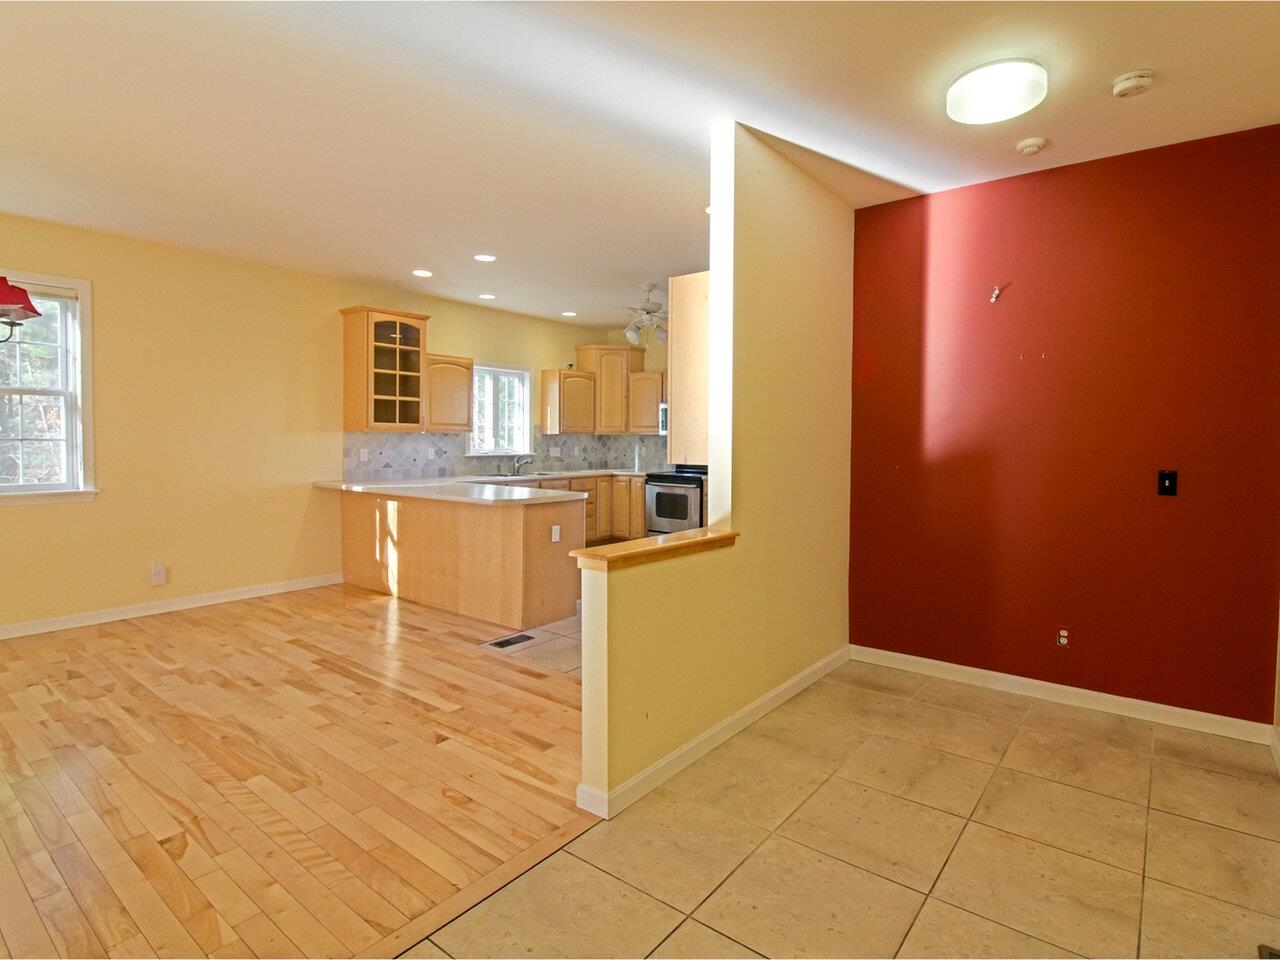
419	456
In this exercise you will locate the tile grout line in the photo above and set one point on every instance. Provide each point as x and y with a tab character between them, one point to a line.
969	820
1146	847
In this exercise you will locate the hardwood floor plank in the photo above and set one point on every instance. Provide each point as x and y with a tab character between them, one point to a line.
21	927
296	922
106	915
165	933
182	896
308	774
66	923
380	878
132	949
228	899
265	939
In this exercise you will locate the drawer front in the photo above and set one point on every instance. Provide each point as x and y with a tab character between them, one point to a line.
555	484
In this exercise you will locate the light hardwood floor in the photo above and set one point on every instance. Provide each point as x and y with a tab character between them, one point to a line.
323	773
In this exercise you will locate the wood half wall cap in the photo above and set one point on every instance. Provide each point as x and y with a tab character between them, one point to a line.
633	553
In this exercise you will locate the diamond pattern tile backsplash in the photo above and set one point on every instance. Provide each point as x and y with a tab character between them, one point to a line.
420	456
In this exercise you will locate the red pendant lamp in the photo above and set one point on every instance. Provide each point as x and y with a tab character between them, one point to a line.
15	307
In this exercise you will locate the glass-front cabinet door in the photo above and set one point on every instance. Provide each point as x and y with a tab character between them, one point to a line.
396	372
383	370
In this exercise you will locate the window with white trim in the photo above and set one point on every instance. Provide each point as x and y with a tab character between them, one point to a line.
43	399
501	409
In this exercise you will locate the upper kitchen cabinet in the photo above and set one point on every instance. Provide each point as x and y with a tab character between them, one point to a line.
568	401
647	391
612	366
448	388
688	367
383	354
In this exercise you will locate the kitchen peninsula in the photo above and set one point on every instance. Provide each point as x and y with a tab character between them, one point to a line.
490	551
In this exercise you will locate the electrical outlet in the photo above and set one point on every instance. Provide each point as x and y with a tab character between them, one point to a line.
158	574
1064	636
577	452
431	453
555	533
555	453
364	455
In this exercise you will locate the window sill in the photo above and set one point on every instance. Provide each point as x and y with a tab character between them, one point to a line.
48	496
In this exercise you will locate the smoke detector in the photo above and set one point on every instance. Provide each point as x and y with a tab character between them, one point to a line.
1031	145
1132	83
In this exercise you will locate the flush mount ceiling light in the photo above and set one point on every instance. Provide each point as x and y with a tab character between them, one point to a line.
997	91
488	296
422	273
568	313
485	257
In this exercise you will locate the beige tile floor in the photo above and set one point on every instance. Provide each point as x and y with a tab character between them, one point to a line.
882	813
557	646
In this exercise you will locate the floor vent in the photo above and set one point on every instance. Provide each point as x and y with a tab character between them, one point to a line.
511	641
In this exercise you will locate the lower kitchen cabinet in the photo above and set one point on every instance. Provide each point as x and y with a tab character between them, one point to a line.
604	508
591	487
622	507
615	508
628	508
637	509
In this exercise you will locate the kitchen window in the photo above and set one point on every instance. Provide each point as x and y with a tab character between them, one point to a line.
44	397
501	412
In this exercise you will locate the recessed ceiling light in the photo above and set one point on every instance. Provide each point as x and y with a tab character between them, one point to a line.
997	91
422	273
568	313
488	296
485	257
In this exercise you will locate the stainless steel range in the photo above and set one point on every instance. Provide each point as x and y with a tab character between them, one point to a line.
677	500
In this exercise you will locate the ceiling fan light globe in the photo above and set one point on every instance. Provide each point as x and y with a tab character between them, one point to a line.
632	334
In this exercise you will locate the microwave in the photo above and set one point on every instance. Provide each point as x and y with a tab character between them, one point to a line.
664	414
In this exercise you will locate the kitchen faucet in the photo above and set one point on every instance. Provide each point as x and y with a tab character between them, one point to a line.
520	464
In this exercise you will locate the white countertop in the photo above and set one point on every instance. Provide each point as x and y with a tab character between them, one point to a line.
458	492
478	488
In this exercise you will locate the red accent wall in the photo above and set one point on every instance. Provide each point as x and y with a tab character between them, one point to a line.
1005	455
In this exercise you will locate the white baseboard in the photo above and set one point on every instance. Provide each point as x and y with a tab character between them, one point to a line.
91	617
1075	696
594	800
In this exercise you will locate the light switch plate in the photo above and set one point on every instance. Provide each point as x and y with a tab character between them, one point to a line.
555	533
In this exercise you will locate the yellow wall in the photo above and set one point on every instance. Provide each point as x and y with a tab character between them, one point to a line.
655	353
674	648
217	401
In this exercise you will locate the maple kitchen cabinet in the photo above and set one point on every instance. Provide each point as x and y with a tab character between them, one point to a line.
568	401
627	508
383	354
622	508
647	391
604	508
687	368
597	489
638	526
612	366
448	393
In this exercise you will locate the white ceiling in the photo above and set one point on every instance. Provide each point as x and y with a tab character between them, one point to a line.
571	140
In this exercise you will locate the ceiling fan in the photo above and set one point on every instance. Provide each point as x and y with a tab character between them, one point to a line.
647	313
